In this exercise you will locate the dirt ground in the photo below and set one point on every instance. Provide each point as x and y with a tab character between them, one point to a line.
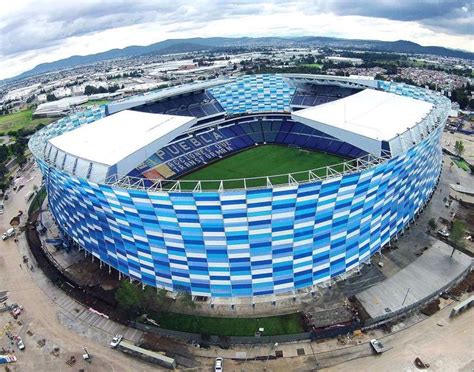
40	315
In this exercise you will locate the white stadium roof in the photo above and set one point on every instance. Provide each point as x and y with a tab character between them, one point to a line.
367	118
120	141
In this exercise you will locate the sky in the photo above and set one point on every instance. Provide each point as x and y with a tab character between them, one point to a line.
38	31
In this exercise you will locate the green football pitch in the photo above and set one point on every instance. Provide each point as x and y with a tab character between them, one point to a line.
261	161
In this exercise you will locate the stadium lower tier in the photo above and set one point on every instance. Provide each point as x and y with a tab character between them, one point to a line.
205	146
246	242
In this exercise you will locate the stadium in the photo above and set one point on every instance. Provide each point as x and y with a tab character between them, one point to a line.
248	186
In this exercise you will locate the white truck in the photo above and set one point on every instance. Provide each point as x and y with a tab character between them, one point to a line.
9	233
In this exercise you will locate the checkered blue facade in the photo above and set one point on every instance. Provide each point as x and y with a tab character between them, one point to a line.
406	90
255	93
246	242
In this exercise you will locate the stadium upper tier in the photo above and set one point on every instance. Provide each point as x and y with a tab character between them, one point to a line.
257	238
308	95
199	105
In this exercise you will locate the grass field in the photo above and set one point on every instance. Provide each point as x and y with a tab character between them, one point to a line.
22	119
462	164
95	102
275	325
262	161
313	65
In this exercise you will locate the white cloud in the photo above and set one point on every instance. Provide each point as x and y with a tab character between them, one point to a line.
36	33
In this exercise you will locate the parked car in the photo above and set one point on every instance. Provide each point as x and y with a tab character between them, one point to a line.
219	366
19	343
443	233
377	345
116	340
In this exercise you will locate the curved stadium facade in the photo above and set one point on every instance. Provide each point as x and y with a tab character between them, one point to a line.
115	188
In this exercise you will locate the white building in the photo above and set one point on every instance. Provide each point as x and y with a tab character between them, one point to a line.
60	107
354	61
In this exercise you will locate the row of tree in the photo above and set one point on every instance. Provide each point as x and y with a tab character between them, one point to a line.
90	89
463	97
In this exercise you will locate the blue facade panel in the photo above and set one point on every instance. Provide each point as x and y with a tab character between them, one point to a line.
249	242
255	93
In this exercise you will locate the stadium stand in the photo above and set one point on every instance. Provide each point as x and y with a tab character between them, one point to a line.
308	95
205	146
201	104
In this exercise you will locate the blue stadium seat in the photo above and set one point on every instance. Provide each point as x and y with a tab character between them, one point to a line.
308	95
199	105
207	145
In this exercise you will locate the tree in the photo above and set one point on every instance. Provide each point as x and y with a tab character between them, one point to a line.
89	90
129	296
163	300
391	69
3	172
458	232
471	105
186	299
459	148
155	301
3	153
432	224
457	235
113	88
460	96
51	97
21	159
4	185
149	300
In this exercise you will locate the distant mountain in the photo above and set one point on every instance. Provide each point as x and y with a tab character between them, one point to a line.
197	44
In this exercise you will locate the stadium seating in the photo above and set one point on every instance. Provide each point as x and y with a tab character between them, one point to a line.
308	95
189	152
200	105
